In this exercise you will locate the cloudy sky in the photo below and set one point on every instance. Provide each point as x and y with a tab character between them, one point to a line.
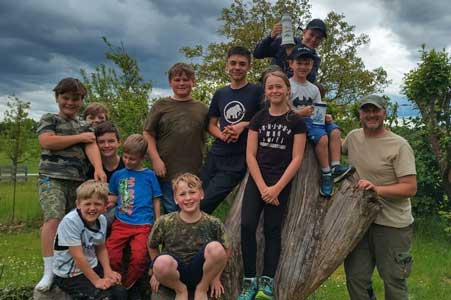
44	41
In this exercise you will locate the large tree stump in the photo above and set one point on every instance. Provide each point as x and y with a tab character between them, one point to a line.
317	234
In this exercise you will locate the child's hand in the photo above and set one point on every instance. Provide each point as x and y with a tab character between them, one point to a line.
103	283
87	137
329	118
216	288
115	277
306	111
100	175
159	167
271	194
234	131
154	284
226	136
276	30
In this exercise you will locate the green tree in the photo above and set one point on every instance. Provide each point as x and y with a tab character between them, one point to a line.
428	87
17	131
245	23
125	93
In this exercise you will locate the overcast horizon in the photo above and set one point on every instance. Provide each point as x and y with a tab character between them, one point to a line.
42	42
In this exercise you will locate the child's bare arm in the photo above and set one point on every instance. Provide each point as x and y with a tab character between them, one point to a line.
93	154
82	263
112	200
102	256
51	141
157	163
156	208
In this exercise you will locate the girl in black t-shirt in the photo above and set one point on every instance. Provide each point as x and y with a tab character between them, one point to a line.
274	153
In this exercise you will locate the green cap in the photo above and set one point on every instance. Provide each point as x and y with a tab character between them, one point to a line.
375	100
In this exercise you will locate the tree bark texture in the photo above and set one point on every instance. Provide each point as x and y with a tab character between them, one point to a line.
317	234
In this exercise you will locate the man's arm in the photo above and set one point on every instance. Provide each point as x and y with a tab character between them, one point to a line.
157	163
405	187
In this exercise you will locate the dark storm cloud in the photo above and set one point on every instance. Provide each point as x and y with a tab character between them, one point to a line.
43	41
418	21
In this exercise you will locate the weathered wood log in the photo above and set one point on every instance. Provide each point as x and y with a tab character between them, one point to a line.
54	293
317	233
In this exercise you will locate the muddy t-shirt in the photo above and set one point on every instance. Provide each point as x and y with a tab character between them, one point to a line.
232	106
179	129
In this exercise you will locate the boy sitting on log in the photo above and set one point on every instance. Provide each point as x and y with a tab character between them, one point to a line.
194	243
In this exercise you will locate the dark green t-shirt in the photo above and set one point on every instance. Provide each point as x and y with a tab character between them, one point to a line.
179	130
184	240
70	163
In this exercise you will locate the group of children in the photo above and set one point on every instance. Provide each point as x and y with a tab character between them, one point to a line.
262	128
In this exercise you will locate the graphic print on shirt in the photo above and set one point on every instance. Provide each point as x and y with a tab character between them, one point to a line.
274	136
298	103
234	112
127	195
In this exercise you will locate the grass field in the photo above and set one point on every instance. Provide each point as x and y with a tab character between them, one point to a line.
20	261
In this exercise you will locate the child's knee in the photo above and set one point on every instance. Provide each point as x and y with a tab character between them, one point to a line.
215	250
323	141
335	133
164	265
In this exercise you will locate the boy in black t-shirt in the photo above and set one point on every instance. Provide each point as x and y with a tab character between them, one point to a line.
231	109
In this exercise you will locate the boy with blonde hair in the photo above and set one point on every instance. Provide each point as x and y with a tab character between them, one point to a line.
136	193
195	245
172	122
81	263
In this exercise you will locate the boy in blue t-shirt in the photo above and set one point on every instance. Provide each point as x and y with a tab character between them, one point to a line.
136	194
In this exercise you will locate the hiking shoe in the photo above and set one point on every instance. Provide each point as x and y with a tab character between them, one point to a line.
326	185
249	289
339	172
265	285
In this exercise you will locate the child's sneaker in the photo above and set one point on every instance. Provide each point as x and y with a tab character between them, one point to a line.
265	285
339	172
249	289
326	184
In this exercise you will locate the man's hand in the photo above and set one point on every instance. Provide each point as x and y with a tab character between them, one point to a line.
87	137
235	130
366	185
276	30
159	167
216	288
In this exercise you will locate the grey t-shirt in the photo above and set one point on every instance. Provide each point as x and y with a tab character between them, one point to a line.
73	231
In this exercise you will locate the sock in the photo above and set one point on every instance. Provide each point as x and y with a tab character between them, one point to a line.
47	279
335	163
325	170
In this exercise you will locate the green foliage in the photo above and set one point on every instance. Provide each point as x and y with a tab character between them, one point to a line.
428	87
245	23
17	128
125	93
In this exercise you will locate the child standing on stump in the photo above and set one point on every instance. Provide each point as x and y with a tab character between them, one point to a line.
195	245
81	261
275	148
66	145
136	193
